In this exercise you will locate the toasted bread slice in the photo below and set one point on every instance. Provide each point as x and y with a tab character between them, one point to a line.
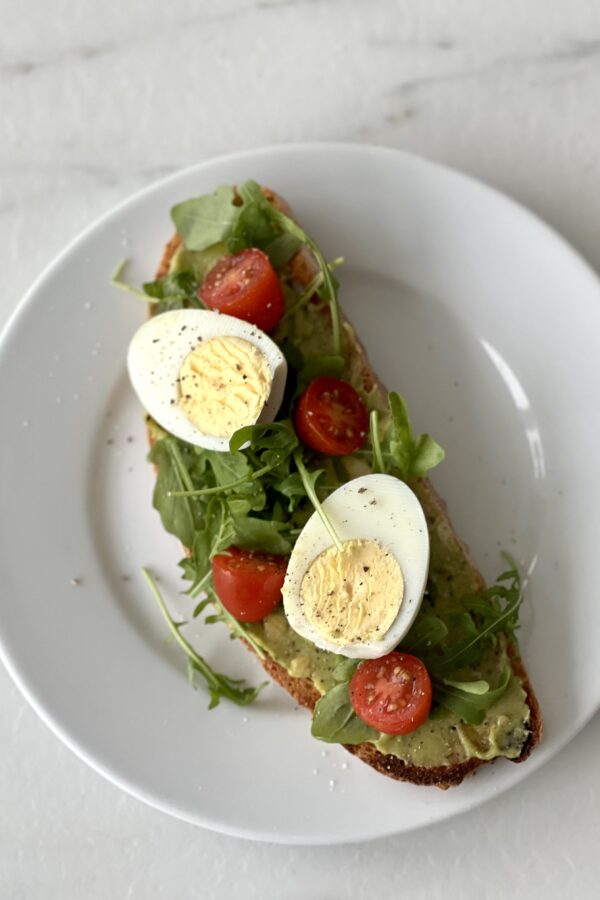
302	270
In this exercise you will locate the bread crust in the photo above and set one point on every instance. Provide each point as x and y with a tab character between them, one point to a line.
302	270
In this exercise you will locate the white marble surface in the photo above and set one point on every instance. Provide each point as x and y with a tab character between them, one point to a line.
99	99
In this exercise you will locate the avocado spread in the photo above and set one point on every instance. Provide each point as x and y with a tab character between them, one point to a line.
444	739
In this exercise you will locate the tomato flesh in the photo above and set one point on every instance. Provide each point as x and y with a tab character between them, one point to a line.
392	694
245	285
248	583
331	417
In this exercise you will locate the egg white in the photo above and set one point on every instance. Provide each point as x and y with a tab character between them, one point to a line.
159	347
373	507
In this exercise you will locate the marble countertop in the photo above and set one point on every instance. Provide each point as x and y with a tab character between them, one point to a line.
98	100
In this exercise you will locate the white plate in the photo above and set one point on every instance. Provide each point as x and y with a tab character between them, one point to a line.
488	323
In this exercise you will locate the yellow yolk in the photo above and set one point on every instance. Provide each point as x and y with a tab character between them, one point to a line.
224	384
354	596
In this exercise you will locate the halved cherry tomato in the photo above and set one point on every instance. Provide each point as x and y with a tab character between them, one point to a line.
245	285
248	583
392	694
331	417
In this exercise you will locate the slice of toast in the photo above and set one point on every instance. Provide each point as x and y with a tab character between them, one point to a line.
302	270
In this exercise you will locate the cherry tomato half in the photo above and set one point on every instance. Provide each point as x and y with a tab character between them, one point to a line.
245	285
331	417
248	583
392	694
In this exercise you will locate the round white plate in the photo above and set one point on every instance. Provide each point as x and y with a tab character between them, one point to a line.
487	322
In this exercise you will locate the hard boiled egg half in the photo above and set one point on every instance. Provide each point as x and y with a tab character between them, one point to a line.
202	375
360	601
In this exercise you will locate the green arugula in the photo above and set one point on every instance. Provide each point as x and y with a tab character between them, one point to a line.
204	221
455	641
427	632
178	290
447	645
408	455
236	628
335	721
309	480
257	496
378	464
329	289
317	365
313	287
216	534
219	686
255	227
180	516
398	451
475	628
237	219
118	282
245	218
470	700
345	668
212	500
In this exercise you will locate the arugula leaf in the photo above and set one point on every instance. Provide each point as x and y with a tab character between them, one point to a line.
493	611
469	687
270	436
254	222
470	699
253	227
226	508
217	533
175	291
426	633
409	455
309	480
179	289
233	471
219	685
335	721
293	488
378	464
204	221
328	290
237	629
281	249
254	533
448	645
317	365
118	282
427	454
345	668
199	262
295	302
180	516
216	218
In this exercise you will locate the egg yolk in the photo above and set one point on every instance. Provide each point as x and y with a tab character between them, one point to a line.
224	384
354	596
